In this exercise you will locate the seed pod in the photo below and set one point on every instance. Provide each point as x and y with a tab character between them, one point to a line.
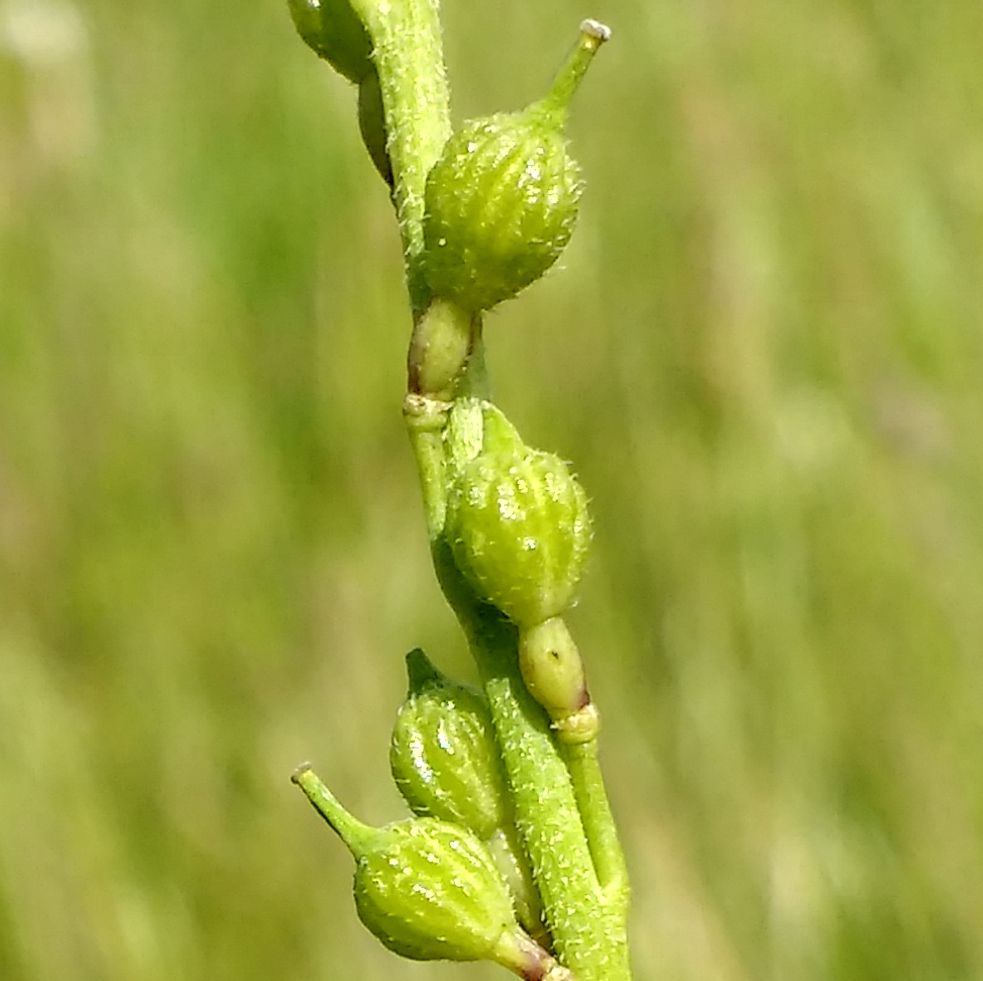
517	521
335	32
501	206
444	756
501	201
446	764
429	890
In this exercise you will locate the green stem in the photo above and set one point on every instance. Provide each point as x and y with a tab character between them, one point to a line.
565	823
599	827
408	56
425	421
588	935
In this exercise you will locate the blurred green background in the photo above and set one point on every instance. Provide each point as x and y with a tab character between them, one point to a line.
763	351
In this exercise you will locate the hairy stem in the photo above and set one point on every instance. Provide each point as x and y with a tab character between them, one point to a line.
587	929
588	935
408	56
599	827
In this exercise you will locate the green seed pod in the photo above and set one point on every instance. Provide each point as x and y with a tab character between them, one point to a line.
501	206
517	518
446	764
444	756
429	890
335	32
501	201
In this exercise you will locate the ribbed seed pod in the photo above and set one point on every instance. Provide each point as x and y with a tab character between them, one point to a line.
501	201
446	763
444	756
429	889
517	523
501	206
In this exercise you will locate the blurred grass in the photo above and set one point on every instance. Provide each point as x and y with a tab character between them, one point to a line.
763	352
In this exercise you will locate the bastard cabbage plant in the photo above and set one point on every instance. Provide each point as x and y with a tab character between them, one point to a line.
511	854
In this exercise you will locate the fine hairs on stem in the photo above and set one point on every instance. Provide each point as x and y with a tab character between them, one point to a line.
511	853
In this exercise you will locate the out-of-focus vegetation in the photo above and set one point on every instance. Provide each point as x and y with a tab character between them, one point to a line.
764	352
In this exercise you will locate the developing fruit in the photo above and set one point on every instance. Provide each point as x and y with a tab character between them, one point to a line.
517	521
443	755
501	201
429	889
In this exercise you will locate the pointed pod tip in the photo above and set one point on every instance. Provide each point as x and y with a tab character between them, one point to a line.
595	29
420	670
356	835
299	772
554	105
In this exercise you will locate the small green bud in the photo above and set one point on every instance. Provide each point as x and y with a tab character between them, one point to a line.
336	33
517	518
552	669
444	756
501	201
441	348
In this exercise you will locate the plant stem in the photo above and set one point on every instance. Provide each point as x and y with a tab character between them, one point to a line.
408	55
587	929
599	827
588	935
425	421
